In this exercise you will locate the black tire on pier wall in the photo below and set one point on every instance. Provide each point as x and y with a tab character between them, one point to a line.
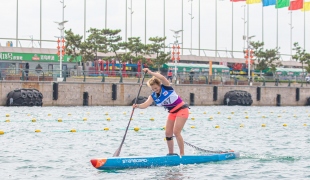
238	97
24	97
141	100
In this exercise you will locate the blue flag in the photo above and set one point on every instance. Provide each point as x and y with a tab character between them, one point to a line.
269	2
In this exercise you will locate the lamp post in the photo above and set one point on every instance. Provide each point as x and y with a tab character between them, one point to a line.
131	12
61	27
249	59
191	14
176	44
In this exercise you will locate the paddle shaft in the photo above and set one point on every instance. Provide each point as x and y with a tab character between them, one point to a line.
118	151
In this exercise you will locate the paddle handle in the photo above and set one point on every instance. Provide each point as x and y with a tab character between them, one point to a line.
118	151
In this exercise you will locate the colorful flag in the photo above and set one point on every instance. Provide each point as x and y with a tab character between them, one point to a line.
296	4
269	2
236	0
253	1
306	6
282	3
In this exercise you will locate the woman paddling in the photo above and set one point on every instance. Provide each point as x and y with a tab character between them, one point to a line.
164	95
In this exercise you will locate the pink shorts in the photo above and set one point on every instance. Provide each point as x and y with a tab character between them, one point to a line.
183	113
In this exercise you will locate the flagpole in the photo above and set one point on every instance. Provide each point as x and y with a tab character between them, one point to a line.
145	22
182	28
305	29
291	33
215	28
199	29
244	21
277	29
164	23
232	28
262	23
248	42
106	14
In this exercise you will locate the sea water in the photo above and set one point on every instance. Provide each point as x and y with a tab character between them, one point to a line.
274	142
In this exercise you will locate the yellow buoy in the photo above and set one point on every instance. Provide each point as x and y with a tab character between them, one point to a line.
141	112
88	113
124	113
1	132
305	124
284	124
295	115
59	120
7	115
33	120
108	119
263	125
264	116
192	118
37	130
48	114
271	112
152	119
211	117
217	126
241	125
246	117
279	115
84	119
258	112
28	114
131	119
228	117
72	130
7	120
232	112
106	129
69	114
218	112
106	114
193	127
205	112
189	112
136	128
164	127
246	112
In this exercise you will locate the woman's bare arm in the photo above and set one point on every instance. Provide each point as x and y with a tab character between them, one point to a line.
144	105
163	79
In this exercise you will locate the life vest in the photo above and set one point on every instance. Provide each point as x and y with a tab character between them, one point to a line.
167	97
169	73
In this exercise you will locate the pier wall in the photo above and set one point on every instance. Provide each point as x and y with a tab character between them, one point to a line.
100	94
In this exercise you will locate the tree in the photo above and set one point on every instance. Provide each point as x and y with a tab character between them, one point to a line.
301	56
136	48
73	44
95	42
266	58
112	41
157	48
307	56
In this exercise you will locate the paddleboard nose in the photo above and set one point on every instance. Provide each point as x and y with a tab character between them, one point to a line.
94	162
97	163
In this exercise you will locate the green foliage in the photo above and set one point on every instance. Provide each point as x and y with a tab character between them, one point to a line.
136	49
301	56
73	44
266	58
157	48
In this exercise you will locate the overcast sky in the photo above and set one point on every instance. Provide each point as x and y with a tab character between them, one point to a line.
29	22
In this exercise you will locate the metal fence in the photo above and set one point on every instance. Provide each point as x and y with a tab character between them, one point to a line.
75	75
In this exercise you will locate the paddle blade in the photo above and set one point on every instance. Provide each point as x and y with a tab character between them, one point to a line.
117	152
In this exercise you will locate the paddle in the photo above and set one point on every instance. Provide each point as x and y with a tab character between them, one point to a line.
118	151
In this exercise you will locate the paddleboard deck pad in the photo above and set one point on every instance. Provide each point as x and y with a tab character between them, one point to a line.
156	161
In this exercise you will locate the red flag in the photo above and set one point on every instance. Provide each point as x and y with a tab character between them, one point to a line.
296	4
236	0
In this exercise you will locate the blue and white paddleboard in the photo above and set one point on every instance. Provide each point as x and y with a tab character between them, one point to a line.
156	161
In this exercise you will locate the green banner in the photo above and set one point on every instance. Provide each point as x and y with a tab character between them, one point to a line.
34	57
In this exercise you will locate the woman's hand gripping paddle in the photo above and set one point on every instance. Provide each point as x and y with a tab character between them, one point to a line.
118	151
